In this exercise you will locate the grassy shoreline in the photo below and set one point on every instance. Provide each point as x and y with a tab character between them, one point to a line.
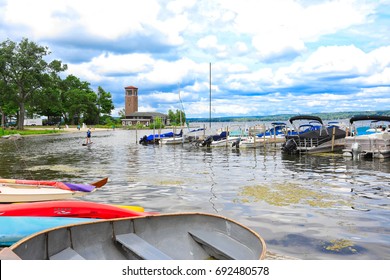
25	132
45	130
50	130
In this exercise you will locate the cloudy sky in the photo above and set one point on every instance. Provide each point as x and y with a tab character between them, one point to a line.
267	56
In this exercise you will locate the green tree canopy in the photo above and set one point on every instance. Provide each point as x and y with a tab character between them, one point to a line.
29	83
8	105
104	103
177	118
77	98
23	68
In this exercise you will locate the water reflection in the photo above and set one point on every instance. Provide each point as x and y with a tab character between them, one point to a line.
310	207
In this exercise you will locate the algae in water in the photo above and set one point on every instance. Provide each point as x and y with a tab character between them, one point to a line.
288	194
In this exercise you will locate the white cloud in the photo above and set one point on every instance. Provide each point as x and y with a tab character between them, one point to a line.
285	26
337	59
210	42
276	56
180	6
164	97
143	108
241	47
98	19
169	73
127	63
340	64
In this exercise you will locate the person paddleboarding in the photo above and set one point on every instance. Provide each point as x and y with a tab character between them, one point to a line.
88	141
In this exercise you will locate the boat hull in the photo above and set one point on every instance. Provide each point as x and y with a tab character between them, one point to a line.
68	208
368	146
15	190
185	236
11	194
173	141
54	184
251	142
13	229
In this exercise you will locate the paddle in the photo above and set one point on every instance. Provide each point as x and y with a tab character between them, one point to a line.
100	183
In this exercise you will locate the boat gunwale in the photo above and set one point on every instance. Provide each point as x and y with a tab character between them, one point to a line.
111	221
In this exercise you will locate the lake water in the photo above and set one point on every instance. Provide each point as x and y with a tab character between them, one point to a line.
307	207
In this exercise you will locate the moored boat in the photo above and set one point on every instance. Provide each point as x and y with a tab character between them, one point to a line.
13	190
249	142
183	236
189	136
276	133
55	184
315	138
156	138
23	193
68	208
372	142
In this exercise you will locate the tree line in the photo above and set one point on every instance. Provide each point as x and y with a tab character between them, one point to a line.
29	84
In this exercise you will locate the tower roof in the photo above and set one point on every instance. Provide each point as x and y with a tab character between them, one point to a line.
131	87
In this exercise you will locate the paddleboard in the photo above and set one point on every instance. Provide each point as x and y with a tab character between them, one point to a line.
89	144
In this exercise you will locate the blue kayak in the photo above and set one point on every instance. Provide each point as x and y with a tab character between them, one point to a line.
12	229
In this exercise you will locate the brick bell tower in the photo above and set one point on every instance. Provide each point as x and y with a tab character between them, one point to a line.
131	100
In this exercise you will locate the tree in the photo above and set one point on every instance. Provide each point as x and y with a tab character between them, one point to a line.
104	102
177	118
122	113
47	100
157	123
8	105
23	67
78	101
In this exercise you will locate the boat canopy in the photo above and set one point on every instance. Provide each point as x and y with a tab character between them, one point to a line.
305	117
164	135
369	117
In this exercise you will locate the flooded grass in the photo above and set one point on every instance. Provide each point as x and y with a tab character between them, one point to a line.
340	246
170	183
58	168
288	194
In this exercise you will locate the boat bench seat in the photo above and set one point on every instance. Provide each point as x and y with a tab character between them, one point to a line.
219	244
67	254
140	247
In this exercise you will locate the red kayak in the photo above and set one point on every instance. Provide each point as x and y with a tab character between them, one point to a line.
68	208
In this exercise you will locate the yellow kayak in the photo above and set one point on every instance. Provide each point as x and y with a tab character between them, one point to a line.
131	207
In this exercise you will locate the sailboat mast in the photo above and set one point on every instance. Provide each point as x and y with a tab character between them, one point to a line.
210	95
181	106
